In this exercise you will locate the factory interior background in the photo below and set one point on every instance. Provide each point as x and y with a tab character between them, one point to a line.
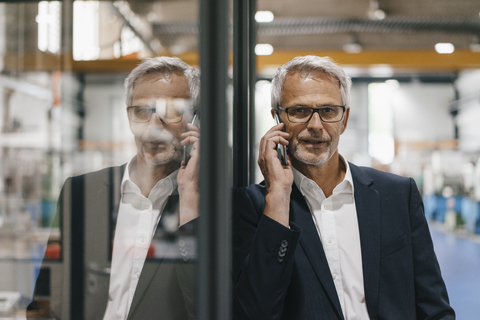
415	107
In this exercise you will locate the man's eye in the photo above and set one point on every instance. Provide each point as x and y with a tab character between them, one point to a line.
299	110
141	110
327	110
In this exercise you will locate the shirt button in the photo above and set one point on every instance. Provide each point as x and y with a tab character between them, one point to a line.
162	184
329	240
138	274
142	239
334	276
309	184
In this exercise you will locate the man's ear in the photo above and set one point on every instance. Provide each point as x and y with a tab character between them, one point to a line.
273	113
345	120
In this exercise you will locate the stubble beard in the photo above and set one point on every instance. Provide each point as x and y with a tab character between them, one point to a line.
308	156
172	152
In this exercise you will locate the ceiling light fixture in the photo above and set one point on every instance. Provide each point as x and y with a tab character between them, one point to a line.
374	11
444	48
353	46
264	16
475	45
381	71
263	49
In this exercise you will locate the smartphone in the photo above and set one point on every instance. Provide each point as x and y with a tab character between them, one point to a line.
187	150
282	150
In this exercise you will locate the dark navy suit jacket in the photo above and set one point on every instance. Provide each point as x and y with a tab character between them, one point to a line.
88	207
401	274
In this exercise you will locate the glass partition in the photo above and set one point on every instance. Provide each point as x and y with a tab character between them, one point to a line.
87	187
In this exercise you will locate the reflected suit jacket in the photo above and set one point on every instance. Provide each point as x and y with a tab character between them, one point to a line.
401	274
79	283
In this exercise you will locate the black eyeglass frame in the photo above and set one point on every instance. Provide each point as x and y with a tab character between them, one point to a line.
153	110
314	109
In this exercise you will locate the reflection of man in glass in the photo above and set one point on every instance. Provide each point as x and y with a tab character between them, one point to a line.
148	273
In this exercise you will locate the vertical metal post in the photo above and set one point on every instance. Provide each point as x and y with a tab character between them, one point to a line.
252	75
74	302
214	271
241	86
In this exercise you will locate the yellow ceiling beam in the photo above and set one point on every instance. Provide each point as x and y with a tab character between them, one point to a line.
399	59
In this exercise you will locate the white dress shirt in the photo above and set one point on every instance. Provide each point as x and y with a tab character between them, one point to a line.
336	221
137	220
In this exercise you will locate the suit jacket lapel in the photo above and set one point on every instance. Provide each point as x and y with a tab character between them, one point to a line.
151	268
311	244
94	204
114	180
369	219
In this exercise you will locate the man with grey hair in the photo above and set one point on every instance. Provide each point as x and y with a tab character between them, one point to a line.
128	234
321	238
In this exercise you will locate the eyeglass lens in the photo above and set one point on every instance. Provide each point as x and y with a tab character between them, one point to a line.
169	110
303	114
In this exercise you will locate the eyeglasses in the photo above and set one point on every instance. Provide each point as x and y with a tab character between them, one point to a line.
168	110
301	114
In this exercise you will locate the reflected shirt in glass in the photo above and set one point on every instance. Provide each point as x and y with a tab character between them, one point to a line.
138	217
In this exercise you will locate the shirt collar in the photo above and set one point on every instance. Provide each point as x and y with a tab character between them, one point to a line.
128	185
346	186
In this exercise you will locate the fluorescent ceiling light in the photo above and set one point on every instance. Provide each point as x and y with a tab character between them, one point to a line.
381	70
352	48
263	49
444	48
264	16
475	47
377	14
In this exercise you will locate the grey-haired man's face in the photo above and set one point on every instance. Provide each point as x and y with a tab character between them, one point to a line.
316	142
158	143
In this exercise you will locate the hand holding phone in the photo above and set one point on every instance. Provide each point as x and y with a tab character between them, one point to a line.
187	178
187	150
282	149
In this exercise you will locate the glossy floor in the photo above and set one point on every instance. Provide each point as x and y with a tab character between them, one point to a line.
459	259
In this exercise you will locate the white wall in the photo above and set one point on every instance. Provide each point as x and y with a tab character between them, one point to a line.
468	85
354	141
421	112
106	123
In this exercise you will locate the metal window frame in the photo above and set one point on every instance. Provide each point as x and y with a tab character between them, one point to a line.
214	290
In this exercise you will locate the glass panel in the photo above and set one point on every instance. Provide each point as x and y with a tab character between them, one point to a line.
75	229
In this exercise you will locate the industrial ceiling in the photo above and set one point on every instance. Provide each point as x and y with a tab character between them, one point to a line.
330	25
356	33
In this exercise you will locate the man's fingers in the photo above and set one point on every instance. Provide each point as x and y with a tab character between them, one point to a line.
278	140
269	142
191	127
190	133
265	141
277	127
190	140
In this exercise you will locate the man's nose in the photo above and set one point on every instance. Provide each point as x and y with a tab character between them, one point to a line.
155	120
315	122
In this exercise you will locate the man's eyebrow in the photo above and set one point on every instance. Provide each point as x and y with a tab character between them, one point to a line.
303	104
